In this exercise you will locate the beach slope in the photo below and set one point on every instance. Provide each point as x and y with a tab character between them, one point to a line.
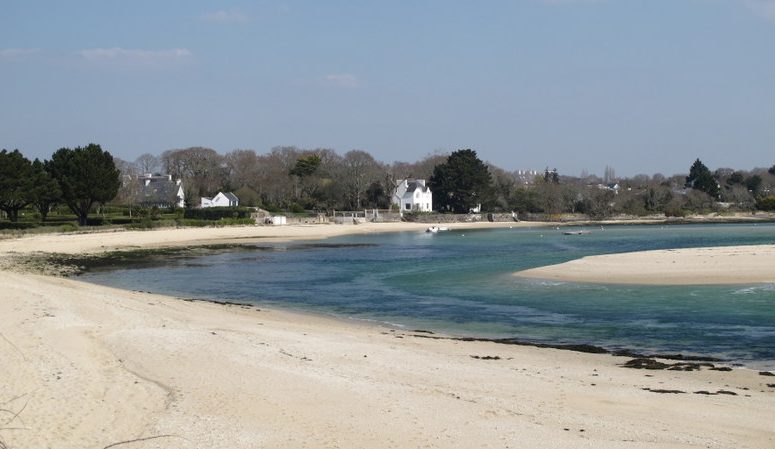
88	366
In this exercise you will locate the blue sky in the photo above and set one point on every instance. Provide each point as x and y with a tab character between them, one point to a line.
644	86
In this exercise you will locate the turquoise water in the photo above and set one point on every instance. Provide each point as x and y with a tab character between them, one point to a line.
461	282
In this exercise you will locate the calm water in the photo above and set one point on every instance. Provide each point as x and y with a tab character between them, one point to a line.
461	282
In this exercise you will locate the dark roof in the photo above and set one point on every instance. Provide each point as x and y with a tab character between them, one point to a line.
158	193
414	185
230	196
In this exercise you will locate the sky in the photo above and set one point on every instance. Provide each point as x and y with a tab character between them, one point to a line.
643	86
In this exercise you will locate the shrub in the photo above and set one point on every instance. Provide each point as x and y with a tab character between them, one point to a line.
672	211
96	221
193	222
296	208
68	227
272	208
145	223
766	203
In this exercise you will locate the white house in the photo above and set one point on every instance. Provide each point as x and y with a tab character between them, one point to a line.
413	195
227	199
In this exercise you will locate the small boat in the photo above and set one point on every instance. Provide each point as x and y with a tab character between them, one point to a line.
435	229
579	232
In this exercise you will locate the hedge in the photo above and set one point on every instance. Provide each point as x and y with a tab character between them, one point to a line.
217	213
17	225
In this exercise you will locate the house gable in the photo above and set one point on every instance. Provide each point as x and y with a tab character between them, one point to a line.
413	195
222	199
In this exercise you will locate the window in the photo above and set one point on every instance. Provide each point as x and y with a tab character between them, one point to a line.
408	206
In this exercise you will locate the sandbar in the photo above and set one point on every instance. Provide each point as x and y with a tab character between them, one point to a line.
753	264
88	366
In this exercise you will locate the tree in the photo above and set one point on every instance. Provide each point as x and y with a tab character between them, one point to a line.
551	176
657	198
754	184
736	178
461	183
86	175
700	178
305	166
375	196
304	169
147	163
243	169
771	170
609	175
248	197
766	203
45	192
273	181
597	203
15	183
360	171
525	200
201	169
740	197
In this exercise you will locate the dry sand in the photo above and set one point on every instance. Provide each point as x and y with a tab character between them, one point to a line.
689	266
90	366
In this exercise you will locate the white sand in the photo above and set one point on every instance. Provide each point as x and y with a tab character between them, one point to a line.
689	266
76	243
90	366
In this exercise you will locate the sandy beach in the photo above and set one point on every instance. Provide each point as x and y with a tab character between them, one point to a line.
686	266
87	366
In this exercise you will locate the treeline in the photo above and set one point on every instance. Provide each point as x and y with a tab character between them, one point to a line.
321	180
286	178
295	179
79	178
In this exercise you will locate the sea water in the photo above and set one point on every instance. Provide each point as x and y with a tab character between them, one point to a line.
461	282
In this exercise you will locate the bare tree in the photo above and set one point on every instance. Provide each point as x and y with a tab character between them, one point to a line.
274	182
422	169
147	163
242	168
609	175
361	170
201	169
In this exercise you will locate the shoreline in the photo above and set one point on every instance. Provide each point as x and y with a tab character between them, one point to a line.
95	366
73	265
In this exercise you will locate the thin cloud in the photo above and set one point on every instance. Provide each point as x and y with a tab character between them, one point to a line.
764	8
135	57
8	53
222	16
342	80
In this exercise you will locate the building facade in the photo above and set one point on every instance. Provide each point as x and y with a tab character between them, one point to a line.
412	195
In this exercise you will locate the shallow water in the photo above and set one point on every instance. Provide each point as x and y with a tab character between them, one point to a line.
461	282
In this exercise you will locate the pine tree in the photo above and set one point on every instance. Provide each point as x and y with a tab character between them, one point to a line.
700	178
461	183
86	176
